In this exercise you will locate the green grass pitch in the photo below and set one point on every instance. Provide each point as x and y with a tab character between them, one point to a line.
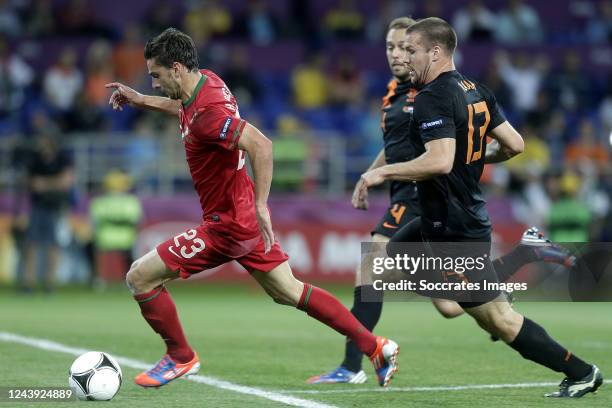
243	337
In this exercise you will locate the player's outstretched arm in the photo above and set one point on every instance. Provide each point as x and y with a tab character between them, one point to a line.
507	143
124	95
259	149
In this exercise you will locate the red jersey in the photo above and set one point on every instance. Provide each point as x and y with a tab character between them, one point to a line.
211	127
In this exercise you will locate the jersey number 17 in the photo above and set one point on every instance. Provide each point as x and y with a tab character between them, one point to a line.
475	142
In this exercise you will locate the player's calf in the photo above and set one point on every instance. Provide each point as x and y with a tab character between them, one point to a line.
145	279
326	308
288	295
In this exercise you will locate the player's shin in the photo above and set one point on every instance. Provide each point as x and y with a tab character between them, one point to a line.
324	307
368	313
534	343
159	310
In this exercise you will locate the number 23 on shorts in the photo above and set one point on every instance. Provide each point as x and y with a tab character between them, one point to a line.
185	250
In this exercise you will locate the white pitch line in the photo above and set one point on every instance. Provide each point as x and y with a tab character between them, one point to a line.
348	389
49	345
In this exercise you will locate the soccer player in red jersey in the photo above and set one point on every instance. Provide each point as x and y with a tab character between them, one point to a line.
236	223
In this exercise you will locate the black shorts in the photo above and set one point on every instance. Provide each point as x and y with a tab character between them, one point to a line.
396	216
465	248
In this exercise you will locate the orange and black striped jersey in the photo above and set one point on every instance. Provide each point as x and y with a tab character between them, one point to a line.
397	107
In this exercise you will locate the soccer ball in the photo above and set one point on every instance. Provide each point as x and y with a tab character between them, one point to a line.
95	376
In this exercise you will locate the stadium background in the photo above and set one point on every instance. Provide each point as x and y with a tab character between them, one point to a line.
311	75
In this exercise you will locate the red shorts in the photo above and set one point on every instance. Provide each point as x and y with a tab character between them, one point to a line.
198	249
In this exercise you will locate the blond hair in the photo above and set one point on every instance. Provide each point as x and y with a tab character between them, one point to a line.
401	23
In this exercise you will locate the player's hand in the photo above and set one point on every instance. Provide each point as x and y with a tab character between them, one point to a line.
265	226
123	95
359	202
368	179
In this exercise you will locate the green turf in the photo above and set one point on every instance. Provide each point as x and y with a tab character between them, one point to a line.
245	338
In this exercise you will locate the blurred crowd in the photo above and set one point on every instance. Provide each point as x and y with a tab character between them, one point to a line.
56	56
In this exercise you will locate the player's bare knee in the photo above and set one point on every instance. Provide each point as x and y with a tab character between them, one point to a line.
136	278
448	309
130	278
443	312
449	314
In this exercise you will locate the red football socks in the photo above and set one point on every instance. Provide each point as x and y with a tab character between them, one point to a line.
159	311
324	307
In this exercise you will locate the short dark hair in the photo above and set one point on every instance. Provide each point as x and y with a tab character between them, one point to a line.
172	46
436	32
401	22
